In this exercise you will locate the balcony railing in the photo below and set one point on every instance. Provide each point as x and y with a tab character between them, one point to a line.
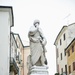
13	65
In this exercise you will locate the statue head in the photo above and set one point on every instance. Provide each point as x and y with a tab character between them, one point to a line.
36	23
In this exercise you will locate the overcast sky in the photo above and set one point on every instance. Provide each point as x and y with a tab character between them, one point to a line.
53	14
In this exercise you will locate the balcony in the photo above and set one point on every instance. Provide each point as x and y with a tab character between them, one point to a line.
13	65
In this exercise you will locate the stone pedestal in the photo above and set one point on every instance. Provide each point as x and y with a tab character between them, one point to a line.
39	70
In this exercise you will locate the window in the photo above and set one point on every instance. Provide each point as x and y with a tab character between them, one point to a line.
15	53
60	42
65	52
72	48
66	69
68	52
61	70
57	53
69	69
73	66
58	68
64	37
61	56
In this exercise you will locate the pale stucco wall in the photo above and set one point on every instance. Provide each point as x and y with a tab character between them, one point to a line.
4	43
21	50
70	34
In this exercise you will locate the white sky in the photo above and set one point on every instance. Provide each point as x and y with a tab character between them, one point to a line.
52	15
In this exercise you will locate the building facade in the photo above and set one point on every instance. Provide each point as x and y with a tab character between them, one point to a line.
65	36
20	53
23	52
14	68
6	22
13	55
70	50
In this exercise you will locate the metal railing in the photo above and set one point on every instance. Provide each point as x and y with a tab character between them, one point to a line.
14	65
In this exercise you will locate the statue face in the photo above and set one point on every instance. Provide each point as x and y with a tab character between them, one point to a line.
37	25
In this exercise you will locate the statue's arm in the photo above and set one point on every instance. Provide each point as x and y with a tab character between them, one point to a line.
35	40
32	39
44	41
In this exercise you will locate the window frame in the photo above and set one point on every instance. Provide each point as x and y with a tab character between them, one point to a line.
73	66
60	42
61	70
61	56
57	52
72	48
68	53
65	52
64	36
66	69
69	68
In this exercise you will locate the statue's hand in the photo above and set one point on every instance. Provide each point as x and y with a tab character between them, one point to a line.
44	42
39	38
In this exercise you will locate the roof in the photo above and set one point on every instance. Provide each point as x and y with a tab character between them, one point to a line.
25	43
71	24
10	10
70	44
14	38
61	31
59	34
19	38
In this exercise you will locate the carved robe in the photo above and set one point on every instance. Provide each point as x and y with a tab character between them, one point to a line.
37	50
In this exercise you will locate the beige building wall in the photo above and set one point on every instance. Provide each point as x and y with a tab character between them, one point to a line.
26	53
71	57
21	48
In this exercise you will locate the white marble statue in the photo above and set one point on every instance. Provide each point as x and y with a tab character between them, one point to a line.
37	46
